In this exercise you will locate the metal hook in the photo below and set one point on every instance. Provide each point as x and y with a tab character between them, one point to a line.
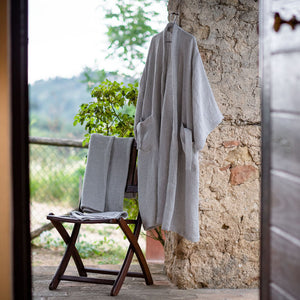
175	14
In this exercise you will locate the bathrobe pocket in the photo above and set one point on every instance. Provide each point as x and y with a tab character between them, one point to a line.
186	138
145	132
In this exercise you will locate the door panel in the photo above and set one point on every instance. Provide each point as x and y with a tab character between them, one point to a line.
285	40
285	72
279	294
285	154
285	209
280	74
285	262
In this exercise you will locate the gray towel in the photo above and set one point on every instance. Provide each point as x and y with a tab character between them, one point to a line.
106	174
99	216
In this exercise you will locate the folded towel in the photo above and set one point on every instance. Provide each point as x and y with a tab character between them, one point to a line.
99	216
106	174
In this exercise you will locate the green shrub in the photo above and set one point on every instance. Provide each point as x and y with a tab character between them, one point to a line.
112	112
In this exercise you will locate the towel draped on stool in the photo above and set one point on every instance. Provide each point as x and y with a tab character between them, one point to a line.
105	176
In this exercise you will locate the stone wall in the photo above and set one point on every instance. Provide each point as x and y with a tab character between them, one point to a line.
227	255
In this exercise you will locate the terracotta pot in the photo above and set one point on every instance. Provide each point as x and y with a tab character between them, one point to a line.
154	249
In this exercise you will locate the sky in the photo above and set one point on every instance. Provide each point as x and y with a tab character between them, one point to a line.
67	35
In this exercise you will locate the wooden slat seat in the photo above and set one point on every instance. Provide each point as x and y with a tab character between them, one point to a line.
72	219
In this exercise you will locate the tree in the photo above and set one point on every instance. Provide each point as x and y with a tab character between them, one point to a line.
131	29
130	25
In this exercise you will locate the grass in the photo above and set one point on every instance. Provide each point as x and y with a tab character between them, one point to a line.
56	186
56	173
105	249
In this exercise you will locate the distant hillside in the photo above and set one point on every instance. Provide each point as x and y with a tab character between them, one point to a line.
53	104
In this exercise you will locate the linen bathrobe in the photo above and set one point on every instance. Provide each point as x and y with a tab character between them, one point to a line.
176	111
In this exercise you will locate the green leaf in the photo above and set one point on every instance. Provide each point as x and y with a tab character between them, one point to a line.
112	113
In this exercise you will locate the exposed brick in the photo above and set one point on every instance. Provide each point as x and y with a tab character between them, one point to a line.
230	144
241	174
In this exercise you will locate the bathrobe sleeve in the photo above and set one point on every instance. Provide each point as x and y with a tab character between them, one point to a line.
140	101
142	89
206	114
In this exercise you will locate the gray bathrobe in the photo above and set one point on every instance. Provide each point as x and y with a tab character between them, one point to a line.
175	113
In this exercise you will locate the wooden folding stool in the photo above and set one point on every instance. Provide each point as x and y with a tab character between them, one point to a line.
71	251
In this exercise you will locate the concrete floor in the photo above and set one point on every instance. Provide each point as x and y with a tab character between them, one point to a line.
133	288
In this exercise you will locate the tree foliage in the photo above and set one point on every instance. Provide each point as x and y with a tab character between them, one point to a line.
112	112
93	77
130	29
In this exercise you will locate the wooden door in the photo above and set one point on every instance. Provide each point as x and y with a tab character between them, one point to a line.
280	74
18	13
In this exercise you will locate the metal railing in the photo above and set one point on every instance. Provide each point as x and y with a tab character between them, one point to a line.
56	170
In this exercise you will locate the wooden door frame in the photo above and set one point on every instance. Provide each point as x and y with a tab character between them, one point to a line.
264	65
20	155
18	16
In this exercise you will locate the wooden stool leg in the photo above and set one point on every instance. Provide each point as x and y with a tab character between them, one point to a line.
127	261
137	249
122	274
66	258
126	264
76	257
